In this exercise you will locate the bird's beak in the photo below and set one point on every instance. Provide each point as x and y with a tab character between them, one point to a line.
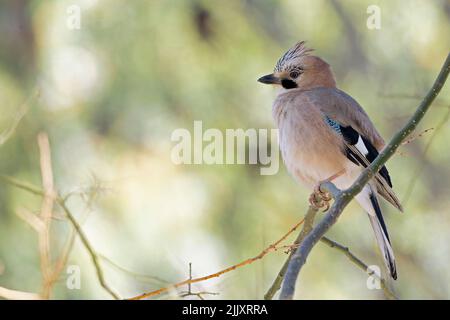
270	79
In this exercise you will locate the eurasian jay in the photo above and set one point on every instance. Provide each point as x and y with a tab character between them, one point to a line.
325	135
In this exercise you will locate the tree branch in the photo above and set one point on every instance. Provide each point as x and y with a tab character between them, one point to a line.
345	250
46	214
21	112
307	227
84	240
344	197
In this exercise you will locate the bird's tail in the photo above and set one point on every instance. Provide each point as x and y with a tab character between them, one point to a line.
368	200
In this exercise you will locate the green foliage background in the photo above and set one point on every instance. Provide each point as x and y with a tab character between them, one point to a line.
112	93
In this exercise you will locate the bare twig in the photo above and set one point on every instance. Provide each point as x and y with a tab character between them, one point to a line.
46	214
32	219
21	112
64	256
414	137
271	248
137	276
408	96
422	163
345	250
87	245
84	240
18	295
342	198
42	223
199	294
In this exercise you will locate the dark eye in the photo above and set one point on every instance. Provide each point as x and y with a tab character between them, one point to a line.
294	74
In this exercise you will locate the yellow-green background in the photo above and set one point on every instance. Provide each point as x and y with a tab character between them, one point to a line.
112	92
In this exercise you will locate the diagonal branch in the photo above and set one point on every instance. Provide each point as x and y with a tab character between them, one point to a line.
307	227
345	250
21	112
423	160
84	239
342	198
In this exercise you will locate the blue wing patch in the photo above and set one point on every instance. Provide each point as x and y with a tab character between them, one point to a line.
351	136
333	124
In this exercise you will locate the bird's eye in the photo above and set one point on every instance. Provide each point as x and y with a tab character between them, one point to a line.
294	74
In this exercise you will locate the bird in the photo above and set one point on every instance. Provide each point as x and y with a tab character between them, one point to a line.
325	135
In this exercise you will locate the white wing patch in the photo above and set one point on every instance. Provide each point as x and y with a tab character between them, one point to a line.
361	146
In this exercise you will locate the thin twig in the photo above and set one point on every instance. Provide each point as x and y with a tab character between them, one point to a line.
42	223
94	257
64	256
138	276
18	295
333	244
46	214
272	247
21	112
199	294
31	218
419	135
422	163
408	96
344	197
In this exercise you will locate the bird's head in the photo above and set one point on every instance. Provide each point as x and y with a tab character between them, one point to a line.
298	69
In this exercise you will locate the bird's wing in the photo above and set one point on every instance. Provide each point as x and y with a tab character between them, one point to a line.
360	151
362	140
342	108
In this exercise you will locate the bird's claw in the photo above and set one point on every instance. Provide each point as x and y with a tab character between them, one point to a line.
319	199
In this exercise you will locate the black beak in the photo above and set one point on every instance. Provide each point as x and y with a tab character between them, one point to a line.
270	79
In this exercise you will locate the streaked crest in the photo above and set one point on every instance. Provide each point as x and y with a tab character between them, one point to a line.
297	51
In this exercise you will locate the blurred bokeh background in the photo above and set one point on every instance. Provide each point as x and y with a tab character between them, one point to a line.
110	94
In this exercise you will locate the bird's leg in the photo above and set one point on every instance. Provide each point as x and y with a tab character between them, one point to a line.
325	195
319	199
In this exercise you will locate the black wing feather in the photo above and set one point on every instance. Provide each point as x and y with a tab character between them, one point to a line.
373	153
351	136
359	150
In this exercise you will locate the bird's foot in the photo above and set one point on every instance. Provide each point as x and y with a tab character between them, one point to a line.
319	199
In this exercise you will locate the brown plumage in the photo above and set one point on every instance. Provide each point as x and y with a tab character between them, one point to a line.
324	131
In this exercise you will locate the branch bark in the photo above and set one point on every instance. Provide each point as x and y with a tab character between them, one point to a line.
345	196
307	227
